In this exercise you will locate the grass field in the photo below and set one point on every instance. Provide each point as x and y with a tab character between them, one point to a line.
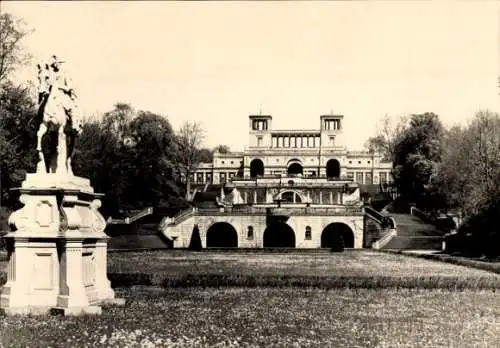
350	299
360	269
250	317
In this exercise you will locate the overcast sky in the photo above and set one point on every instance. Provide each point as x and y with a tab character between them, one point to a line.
218	62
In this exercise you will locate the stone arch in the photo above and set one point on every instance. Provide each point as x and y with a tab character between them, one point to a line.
333	168
288	196
256	168
222	235
294	167
336	234
279	235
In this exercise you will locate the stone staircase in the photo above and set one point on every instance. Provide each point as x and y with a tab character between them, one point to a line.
415	234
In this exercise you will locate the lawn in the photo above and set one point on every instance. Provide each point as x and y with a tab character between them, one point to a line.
351	299
252	317
328	270
354	268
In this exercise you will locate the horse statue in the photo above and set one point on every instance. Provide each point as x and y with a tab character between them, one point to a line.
57	113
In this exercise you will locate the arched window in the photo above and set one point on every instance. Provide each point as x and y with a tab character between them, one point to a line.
250	233
308	233
256	168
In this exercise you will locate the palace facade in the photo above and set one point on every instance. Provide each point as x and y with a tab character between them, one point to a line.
287	189
319	153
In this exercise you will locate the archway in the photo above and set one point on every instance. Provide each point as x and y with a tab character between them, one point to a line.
295	168
222	235
256	168
335	234
333	168
279	235
291	197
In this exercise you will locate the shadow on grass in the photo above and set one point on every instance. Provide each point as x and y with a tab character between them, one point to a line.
295	281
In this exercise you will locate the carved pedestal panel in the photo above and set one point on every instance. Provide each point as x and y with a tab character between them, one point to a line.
57	249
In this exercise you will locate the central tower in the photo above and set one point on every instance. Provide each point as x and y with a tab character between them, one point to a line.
260	127
332	131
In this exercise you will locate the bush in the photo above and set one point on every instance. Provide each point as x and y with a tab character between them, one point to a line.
4	218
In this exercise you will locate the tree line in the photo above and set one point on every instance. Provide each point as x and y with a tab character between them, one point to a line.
134	157
442	169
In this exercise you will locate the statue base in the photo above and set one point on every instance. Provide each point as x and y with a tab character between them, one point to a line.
57	250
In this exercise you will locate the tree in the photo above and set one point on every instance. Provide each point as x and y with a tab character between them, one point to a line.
389	131
222	149
118	121
155	161
12	32
189	139
17	138
468	176
206	155
417	154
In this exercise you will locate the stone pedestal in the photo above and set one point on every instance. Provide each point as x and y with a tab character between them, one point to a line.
57	249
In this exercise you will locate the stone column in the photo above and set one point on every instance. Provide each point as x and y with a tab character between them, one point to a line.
72	297
320	197
104	292
331	197
255	197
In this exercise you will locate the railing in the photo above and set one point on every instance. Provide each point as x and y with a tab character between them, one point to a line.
379	244
129	220
246	210
414	211
177	218
447	224
292	176
384	220
180	216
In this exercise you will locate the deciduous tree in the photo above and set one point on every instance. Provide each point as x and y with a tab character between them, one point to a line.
189	139
12	54
389	131
417	154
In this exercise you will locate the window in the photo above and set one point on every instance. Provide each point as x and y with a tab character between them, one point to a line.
209	177
383	177
231	175
359	177
199	177
350	162
191	177
332	141
222	177
359	162
308	233
369	162
259	141
250	233
368	178
232	162
350	175
221	162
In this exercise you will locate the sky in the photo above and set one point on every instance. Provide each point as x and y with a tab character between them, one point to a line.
218	62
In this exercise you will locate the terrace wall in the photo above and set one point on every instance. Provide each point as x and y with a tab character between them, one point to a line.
183	231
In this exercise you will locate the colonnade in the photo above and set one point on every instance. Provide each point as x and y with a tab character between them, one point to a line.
295	140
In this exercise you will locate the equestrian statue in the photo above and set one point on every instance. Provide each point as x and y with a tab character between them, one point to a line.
57	113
